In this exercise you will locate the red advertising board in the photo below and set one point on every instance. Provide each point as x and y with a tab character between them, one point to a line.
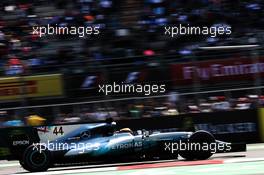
215	71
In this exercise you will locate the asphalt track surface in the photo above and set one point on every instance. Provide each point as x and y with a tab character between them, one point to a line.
242	163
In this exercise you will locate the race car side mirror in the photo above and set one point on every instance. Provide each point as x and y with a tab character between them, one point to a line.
113	126
145	133
139	132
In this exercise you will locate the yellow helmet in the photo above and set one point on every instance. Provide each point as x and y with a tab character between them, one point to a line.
126	130
35	120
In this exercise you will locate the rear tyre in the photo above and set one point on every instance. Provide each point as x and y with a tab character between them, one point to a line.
203	140
34	160
187	155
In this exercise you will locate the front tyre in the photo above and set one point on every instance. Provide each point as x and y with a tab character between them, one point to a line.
201	142
35	160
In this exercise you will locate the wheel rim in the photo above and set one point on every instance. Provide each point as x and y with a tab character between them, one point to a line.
38	158
204	138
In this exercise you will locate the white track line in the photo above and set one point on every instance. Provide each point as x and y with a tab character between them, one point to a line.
255	147
238	160
8	165
74	171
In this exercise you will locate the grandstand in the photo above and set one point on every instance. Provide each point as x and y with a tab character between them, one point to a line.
131	44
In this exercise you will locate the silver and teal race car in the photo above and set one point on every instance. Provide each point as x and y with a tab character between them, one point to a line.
39	148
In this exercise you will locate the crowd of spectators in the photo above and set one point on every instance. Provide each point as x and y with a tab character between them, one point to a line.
122	36
131	31
173	105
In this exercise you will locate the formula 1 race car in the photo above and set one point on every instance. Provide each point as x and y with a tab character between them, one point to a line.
39	148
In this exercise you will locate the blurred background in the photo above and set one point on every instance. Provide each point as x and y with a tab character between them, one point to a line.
54	79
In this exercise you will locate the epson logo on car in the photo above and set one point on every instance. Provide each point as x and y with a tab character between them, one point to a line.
20	142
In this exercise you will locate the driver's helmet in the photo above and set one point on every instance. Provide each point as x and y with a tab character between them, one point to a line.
124	130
